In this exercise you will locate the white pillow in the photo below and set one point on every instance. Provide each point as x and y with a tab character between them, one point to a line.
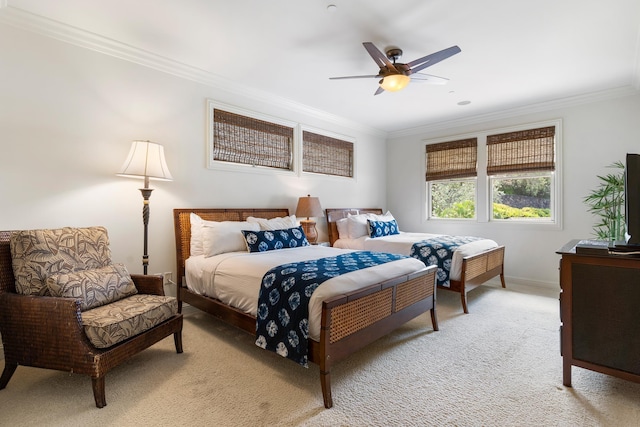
357	226
343	228
196	234
225	236
386	217
275	223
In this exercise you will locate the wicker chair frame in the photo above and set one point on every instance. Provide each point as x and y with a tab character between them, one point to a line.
47	332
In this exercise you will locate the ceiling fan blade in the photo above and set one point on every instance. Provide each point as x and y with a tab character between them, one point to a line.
379	57
379	91
354	77
428	78
434	58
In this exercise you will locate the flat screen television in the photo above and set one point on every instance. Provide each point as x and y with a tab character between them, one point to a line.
632	199
631	205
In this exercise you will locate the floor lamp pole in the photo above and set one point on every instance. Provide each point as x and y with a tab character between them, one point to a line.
146	193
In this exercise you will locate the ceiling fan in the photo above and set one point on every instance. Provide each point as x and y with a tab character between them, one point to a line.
396	76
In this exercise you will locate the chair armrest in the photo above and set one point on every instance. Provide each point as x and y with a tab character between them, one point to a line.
148	284
34	327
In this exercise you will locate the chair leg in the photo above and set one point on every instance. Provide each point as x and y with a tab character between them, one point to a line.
177	338
98	391
9	369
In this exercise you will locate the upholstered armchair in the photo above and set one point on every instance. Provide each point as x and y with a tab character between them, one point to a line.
64	305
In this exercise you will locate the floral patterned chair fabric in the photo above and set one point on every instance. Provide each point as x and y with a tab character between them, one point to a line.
64	305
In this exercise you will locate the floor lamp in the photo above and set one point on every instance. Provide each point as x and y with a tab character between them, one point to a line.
146	160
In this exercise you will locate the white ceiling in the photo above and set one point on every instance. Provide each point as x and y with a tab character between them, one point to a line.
515	53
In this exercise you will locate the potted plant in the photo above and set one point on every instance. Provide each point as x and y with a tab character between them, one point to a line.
607	203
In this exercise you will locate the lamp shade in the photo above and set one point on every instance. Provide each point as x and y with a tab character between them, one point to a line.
146	160
395	82
308	207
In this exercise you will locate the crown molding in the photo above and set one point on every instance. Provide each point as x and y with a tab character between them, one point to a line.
85	39
519	111
76	36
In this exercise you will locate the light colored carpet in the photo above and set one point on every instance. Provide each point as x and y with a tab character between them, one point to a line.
498	366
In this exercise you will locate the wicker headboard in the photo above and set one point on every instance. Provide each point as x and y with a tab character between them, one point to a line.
338	213
182	226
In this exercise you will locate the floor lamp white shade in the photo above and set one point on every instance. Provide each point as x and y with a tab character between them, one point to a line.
146	160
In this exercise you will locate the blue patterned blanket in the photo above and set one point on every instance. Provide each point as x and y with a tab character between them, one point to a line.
282	321
439	251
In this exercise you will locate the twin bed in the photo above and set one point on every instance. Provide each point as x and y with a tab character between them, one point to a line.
472	263
348	312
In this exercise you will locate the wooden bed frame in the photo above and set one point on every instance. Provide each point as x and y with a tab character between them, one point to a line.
349	321
476	269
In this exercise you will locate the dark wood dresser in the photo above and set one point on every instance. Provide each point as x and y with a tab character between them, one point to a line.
599	311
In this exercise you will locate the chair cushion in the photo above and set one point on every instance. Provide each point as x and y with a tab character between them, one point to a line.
94	287
115	322
37	254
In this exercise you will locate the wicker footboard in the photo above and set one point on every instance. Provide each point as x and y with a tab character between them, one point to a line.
476	270
352	321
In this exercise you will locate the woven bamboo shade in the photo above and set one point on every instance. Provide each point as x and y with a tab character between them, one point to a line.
326	155
527	150
453	159
245	140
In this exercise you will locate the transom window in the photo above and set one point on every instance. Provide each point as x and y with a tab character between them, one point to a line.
241	139
327	155
249	141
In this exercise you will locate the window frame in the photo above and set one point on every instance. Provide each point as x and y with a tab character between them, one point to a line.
506	175
465	147
297	144
232	166
352	141
484	210
463	179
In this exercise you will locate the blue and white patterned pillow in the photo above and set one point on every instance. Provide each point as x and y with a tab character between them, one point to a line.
383	228
269	240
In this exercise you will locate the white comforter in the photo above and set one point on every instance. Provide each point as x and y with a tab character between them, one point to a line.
235	277
401	244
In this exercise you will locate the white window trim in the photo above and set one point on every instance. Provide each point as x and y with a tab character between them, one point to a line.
483	208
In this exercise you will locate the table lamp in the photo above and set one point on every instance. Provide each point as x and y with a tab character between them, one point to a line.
309	207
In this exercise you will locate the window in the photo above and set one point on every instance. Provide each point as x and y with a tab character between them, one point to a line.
250	141
326	155
451	176
517	178
242	140
520	166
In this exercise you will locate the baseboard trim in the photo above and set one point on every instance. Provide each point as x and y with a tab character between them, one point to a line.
527	286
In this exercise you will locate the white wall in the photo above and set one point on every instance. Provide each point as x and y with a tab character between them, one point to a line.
595	134
68	114
67	119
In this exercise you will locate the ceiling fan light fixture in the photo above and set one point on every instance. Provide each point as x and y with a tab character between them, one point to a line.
395	82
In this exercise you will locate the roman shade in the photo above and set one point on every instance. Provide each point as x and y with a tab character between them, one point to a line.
527	150
453	159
